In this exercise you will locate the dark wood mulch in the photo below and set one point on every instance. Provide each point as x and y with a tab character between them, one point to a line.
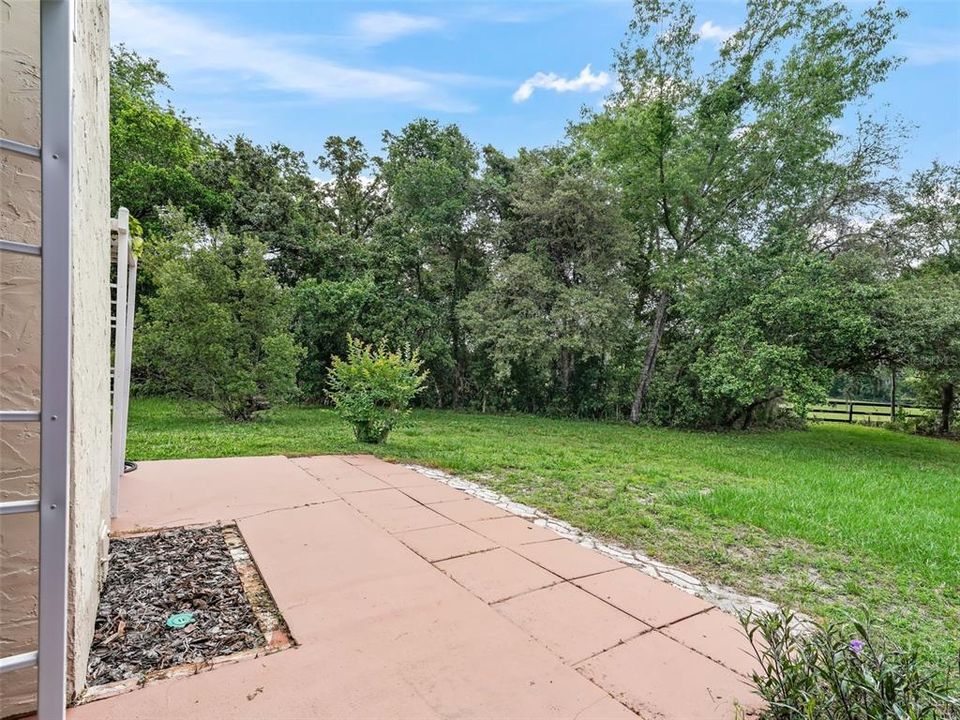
152	577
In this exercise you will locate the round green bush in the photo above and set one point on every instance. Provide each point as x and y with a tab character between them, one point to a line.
372	388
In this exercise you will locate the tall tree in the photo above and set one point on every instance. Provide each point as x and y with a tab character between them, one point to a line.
923	320
430	175
930	311
552	312
353	198
928	213
762	325
272	195
218	327
155	151
325	313
729	153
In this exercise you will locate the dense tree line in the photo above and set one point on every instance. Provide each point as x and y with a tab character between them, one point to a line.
703	249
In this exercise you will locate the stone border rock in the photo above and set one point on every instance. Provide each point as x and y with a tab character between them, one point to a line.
723	597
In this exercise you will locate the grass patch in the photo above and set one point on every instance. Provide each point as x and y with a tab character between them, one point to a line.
832	521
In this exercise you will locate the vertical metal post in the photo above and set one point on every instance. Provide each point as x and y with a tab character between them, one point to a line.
128	350
121	361
56	31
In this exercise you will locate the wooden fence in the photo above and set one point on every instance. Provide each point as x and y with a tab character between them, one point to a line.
854	411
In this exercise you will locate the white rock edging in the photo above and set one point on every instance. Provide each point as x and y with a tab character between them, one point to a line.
723	597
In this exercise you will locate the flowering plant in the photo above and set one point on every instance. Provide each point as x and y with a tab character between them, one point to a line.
839	671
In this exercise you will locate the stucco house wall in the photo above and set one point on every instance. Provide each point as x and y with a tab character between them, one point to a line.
19	344
20	220
90	366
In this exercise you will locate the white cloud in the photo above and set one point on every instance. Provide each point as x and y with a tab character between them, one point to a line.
933	51
181	41
507	14
376	28
716	33
586	81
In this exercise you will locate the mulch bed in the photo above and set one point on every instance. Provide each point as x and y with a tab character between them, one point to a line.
153	577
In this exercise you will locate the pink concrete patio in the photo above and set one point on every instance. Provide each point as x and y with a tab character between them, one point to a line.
410	599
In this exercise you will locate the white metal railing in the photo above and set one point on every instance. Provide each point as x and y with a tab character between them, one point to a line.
19	148
15	507
121	320
18	662
19	247
53	505
19	416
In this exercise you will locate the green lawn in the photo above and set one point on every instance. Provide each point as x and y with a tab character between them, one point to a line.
830	520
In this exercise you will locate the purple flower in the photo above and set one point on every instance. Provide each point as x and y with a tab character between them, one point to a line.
856	646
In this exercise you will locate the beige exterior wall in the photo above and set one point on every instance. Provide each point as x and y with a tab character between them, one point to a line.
90	487
20	336
19	344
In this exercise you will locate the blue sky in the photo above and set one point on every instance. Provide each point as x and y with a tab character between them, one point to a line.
509	73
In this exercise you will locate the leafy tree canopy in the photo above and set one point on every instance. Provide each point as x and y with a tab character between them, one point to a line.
218	328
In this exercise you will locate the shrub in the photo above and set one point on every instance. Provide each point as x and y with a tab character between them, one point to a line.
373	387
841	672
218	328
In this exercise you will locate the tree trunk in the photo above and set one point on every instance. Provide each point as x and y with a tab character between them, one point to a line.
650	360
893	392
749	412
947	396
458	369
458	361
566	371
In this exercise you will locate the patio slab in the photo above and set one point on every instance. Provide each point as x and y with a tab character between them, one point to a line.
567	559
436	493
645	598
657	677
720	637
170	493
401	477
402	612
498	574
339	475
511	531
570	622
402	519
445	542
469	510
386	498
